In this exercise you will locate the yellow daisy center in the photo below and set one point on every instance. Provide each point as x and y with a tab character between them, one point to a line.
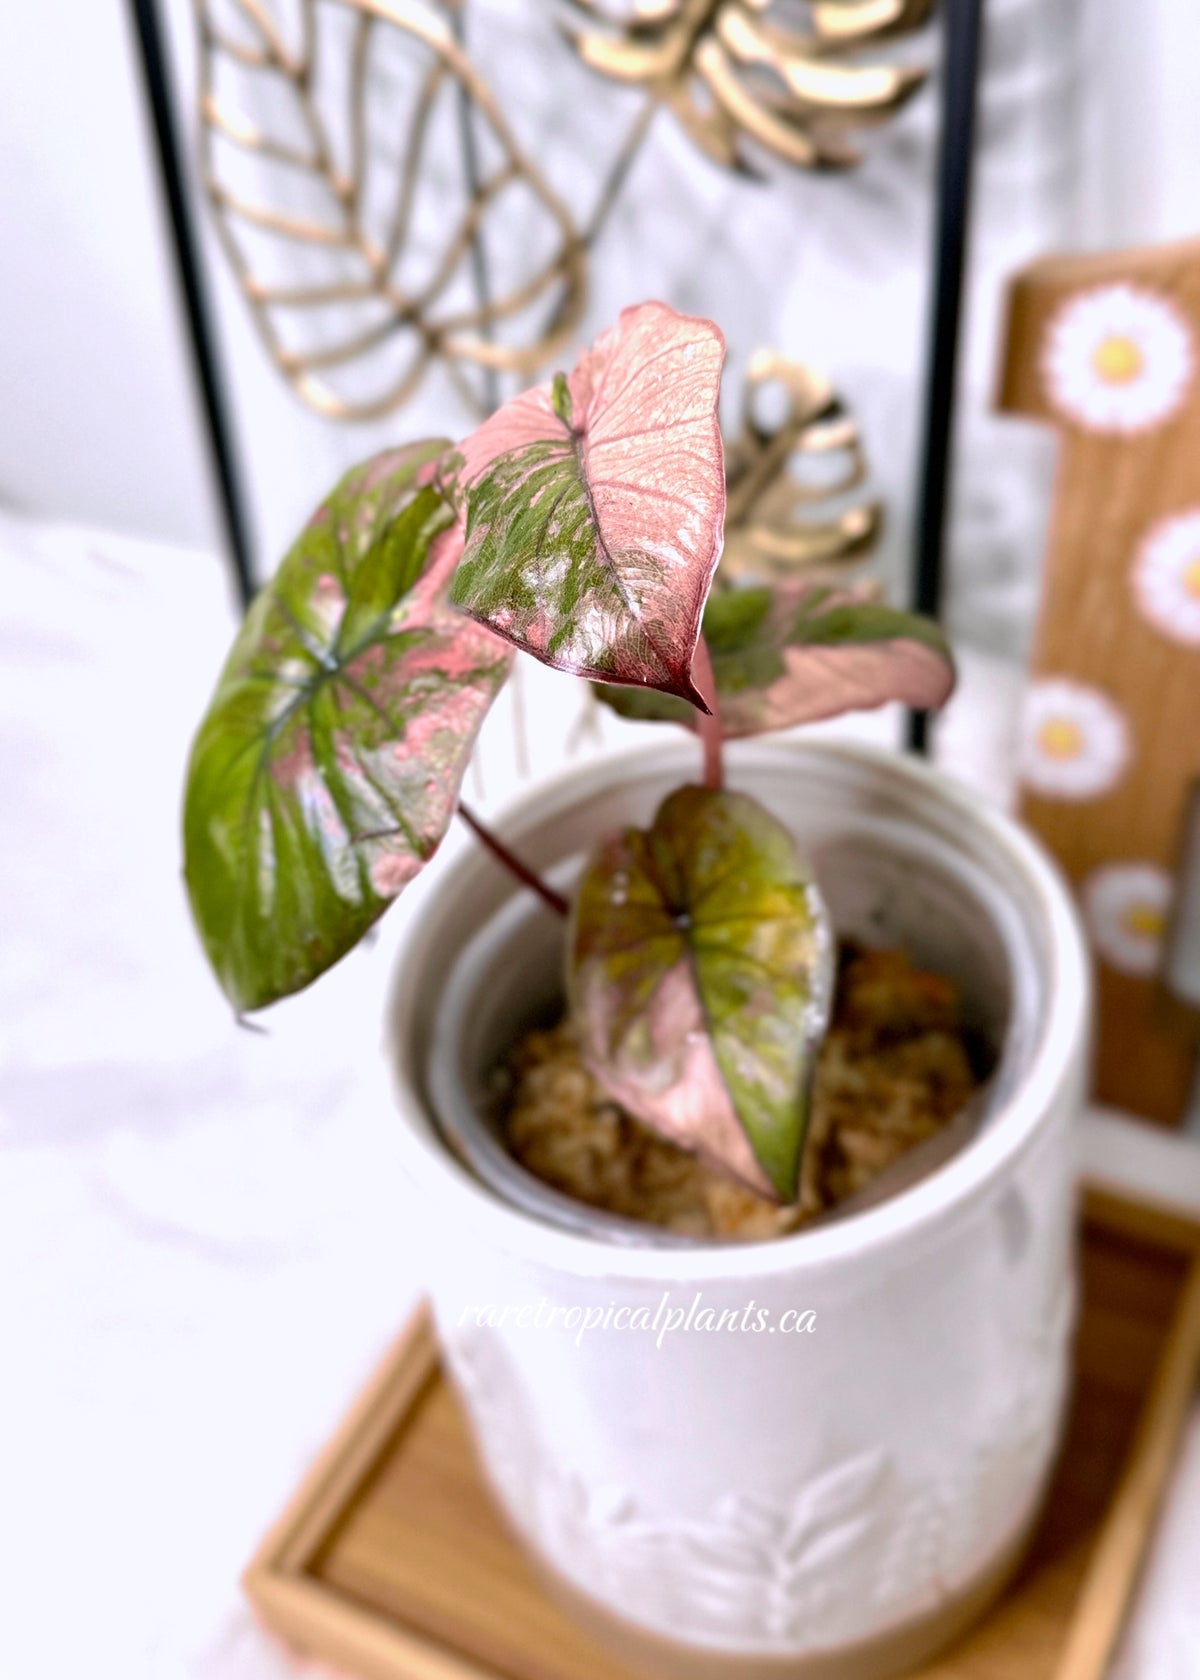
1117	360
1191	579
1060	738
1144	921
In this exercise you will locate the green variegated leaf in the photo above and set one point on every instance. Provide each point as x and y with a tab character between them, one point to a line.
795	652
595	506
700	977
328	765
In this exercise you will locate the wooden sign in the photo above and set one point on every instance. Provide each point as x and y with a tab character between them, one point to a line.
1107	349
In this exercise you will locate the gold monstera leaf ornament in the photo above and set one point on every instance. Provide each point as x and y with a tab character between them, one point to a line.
737	77
794	481
357	164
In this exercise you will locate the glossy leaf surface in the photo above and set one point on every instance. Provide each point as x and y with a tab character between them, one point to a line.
595	506
797	652
328	765
700	981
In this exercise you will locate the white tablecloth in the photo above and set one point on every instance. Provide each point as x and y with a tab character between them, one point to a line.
204	1243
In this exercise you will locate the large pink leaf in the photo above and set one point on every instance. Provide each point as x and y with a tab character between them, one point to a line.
595	506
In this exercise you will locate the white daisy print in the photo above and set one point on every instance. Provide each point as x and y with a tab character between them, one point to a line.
1075	742
1117	359
1127	907
1166	577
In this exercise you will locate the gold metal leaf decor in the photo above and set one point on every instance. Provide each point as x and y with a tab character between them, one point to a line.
731	73
780	476
357	164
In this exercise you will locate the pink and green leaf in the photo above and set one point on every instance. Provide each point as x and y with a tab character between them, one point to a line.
700	976
796	652
595	506
328	765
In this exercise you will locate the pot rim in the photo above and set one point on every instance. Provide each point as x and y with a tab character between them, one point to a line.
953	1186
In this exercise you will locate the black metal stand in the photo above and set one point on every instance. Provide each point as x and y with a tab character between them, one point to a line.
158	91
962	21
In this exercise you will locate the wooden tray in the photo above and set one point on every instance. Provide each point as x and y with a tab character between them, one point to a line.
393	1563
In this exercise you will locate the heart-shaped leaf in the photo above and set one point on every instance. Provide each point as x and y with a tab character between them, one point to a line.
328	765
700	981
797	652
595	506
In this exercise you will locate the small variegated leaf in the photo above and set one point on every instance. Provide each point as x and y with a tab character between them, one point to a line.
700	981
328	765
595	506
796	652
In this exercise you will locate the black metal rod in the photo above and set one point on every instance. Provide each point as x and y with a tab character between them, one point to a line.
166	133
961	31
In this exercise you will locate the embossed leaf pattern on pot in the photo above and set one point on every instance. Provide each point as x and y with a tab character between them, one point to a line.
839	1543
328	765
748	1562
795	652
595	506
700	980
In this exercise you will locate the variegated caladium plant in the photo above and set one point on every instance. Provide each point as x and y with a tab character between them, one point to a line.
582	523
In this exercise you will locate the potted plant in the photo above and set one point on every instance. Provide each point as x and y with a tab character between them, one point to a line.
822	1449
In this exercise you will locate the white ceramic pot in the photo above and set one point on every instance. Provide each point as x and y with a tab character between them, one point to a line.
835	1500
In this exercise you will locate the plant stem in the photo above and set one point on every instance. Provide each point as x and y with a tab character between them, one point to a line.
521	871
710	722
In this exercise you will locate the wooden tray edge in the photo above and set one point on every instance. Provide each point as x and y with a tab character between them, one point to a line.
400	1375
292	1603
1112	1575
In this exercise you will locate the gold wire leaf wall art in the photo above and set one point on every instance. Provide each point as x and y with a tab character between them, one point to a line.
737	78
794	483
358	167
